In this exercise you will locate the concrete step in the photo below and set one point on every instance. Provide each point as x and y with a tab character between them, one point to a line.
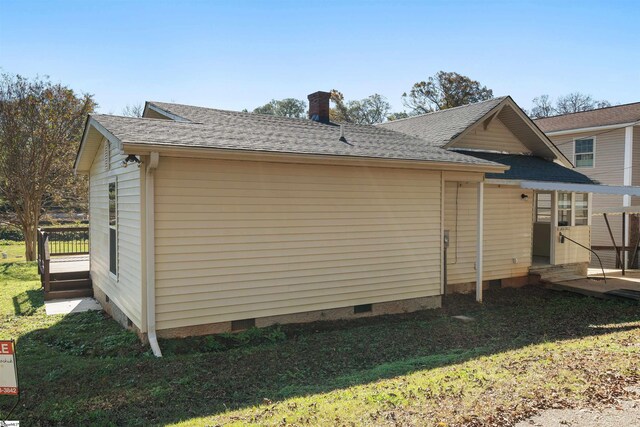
73	293
70	284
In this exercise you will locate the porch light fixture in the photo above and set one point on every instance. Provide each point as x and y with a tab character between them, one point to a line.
131	158
524	196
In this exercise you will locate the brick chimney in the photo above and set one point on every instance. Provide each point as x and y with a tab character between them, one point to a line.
319	106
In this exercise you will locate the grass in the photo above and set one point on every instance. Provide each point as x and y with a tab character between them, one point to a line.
14	250
527	349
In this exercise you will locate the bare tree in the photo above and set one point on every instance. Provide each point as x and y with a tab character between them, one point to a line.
542	107
133	110
444	90
574	102
370	110
40	129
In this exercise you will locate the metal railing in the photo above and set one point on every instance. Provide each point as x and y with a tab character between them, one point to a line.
562	239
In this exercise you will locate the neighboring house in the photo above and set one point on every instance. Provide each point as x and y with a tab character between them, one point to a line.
205	221
603	144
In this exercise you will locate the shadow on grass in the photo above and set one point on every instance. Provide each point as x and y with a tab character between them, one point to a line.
111	379
28	302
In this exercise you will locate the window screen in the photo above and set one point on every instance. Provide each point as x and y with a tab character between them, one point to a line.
584	152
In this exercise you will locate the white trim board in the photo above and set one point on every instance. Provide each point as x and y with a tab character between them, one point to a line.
589	129
582	188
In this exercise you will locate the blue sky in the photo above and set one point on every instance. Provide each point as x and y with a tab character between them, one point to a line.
241	54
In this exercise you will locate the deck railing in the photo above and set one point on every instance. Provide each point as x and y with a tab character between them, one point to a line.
54	241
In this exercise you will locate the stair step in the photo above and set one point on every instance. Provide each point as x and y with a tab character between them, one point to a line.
66	285
70	275
73	293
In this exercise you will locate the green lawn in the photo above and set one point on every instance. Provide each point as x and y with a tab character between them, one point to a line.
527	349
14	250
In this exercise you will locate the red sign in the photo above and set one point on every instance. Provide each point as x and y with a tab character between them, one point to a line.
8	369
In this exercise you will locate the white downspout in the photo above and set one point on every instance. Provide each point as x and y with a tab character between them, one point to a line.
480	242
627	181
151	253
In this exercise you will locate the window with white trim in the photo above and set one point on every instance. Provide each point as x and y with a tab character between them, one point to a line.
113	228
582	208
584	152
543	207
564	209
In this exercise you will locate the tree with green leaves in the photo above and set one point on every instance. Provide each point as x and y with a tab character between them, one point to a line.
288	107
368	111
41	126
444	90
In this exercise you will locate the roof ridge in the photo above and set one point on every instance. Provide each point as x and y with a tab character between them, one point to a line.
141	118
240	113
588	111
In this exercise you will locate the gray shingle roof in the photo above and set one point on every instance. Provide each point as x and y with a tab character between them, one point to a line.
440	127
616	114
220	129
531	168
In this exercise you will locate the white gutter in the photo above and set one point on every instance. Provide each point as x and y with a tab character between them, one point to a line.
151	253
620	190
591	128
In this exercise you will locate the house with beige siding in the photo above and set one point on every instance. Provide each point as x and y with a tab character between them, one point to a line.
205	221
604	144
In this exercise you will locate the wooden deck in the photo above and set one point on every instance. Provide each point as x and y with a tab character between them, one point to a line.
63	262
616	286
69	264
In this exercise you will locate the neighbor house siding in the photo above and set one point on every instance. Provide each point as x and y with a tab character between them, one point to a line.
496	137
126	290
237	240
608	169
507	231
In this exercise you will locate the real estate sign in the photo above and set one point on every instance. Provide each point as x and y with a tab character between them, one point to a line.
8	369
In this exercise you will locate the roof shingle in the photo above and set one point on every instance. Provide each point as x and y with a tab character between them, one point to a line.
619	114
440	127
220	129
530	168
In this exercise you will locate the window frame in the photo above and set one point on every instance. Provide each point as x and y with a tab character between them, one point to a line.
592	152
114	181
537	207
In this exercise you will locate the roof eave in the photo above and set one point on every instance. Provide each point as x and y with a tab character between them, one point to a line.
132	147
592	128
83	150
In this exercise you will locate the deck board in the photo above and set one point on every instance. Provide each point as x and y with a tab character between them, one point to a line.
69	264
617	286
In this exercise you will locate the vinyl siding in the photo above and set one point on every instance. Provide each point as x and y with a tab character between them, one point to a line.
496	137
126	291
567	253
237	240
507	231
608	169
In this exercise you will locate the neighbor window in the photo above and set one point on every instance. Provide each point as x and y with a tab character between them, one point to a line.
582	209
543	207
113	228
583	149
564	209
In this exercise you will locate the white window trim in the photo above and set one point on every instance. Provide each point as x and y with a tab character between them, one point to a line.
115	277
593	151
